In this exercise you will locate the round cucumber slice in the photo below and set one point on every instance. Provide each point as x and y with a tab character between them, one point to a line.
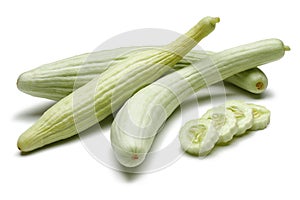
224	122
198	137
261	117
243	115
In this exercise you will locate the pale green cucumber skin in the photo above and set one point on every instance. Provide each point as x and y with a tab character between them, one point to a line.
184	83
107	92
58	79
253	80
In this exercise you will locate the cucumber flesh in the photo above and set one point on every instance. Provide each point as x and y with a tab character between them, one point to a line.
261	117
219	124
198	137
243	114
224	122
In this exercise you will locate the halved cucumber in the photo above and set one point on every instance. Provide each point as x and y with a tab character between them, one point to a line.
224	122
242	113
198	137
261	117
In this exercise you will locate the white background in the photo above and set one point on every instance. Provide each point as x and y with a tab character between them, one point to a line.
263	164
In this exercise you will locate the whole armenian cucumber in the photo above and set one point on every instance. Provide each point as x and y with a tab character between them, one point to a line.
58	79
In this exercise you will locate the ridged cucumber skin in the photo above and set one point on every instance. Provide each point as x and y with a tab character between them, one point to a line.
147	110
106	93
58	79
252	80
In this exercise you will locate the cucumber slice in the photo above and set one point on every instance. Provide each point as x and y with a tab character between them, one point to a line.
261	117
243	114
224	122
198	137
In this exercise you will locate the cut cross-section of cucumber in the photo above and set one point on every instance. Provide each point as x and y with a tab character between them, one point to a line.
224	122
261	117
198	137
243	114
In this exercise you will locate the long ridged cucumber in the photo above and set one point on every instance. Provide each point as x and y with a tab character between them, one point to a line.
56	80
137	122
106	93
